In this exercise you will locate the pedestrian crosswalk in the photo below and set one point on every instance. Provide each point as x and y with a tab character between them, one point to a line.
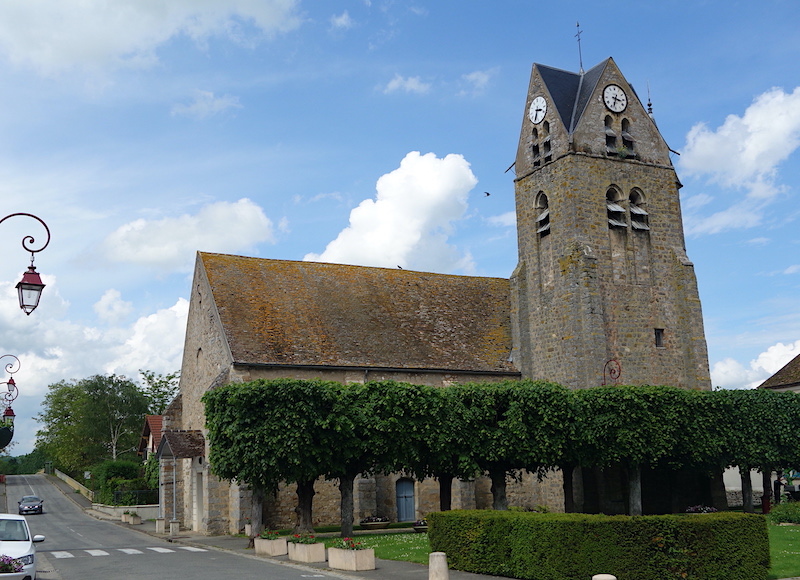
129	551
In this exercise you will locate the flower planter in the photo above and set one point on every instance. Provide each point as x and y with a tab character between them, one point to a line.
374	525
276	547
353	560
126	518
134	520
420	529
306	552
248	530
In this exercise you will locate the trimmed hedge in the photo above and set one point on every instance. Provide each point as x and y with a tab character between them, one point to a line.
716	546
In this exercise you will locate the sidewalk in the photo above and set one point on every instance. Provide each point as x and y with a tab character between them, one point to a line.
385	569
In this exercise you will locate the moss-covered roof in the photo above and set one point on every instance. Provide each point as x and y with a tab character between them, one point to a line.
280	312
788	376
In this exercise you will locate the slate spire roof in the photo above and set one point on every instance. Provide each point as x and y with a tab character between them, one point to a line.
289	313
570	91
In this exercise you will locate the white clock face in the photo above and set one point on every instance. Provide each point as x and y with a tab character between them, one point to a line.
615	98
537	110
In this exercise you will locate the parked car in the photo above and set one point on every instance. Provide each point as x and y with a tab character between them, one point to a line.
30	504
16	543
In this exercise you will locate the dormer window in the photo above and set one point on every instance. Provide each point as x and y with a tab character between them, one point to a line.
614	211
639	217
542	215
627	140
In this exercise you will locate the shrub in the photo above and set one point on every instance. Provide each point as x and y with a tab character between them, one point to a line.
727	546
785	513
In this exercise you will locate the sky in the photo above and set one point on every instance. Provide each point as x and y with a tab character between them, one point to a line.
364	132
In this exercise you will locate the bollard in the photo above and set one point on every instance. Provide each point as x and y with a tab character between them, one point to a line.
161	526
174	527
604	577
437	566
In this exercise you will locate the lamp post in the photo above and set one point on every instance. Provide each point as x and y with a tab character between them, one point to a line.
30	287
7	421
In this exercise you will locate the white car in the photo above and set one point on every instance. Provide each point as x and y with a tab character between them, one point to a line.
16	543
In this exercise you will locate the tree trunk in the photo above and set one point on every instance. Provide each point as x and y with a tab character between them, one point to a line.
305	499
747	490
499	499
568	487
766	484
445	492
635	490
346	505
256	511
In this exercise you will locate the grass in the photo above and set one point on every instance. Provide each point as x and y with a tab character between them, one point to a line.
784	548
405	547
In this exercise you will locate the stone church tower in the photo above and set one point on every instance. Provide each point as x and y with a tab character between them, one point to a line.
603	286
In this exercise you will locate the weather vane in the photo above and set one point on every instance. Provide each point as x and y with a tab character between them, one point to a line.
578	36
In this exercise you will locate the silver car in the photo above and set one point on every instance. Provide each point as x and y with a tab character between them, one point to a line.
18	547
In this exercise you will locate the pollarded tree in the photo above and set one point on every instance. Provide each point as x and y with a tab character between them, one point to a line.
631	425
267	432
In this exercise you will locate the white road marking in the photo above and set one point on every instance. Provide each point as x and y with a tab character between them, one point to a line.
161	550
193	549
130	551
96	552
61	555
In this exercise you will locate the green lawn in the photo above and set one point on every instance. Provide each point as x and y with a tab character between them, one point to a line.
784	544
784	547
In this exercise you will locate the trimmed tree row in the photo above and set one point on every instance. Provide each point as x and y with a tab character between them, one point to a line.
267	432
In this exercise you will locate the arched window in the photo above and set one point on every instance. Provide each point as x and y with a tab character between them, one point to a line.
639	216
627	139
546	149
536	155
614	211
611	136
542	215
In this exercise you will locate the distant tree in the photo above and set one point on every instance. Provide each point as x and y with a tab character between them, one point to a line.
88	421
159	389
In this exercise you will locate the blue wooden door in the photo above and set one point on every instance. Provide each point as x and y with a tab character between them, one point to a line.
405	500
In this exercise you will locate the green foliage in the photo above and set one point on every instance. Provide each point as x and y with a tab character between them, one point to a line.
90	420
564	546
159	390
111	476
151	469
23	464
785	513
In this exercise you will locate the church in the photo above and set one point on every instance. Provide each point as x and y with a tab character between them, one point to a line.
603	293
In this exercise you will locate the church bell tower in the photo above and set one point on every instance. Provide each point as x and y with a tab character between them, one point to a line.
603	291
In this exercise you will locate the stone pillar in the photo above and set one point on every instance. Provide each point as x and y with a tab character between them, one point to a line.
161	526
437	566
174	527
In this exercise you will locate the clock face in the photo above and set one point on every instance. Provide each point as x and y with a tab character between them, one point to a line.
615	98
537	110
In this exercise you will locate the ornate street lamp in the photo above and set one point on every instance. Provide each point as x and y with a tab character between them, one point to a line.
7	422
30	287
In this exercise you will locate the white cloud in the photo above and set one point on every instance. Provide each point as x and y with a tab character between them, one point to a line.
744	154
205	105
476	81
408	222
730	374
95	34
504	220
171	243
111	308
793	269
408	85
342	21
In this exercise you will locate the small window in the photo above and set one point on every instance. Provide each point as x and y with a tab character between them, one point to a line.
535	153
546	148
542	215
614	211
611	136
639	217
627	140
659	335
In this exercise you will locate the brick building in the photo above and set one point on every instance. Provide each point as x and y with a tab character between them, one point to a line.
603	291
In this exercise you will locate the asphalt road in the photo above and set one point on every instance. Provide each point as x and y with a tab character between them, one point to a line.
80	547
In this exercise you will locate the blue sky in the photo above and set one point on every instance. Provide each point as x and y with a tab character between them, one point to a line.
142	131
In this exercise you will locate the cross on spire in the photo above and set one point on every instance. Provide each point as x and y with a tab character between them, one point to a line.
580	54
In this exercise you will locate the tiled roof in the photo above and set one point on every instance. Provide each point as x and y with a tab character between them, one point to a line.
152	426
571	91
788	376
182	444
280	312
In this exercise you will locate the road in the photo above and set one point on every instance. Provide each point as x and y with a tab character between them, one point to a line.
80	547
